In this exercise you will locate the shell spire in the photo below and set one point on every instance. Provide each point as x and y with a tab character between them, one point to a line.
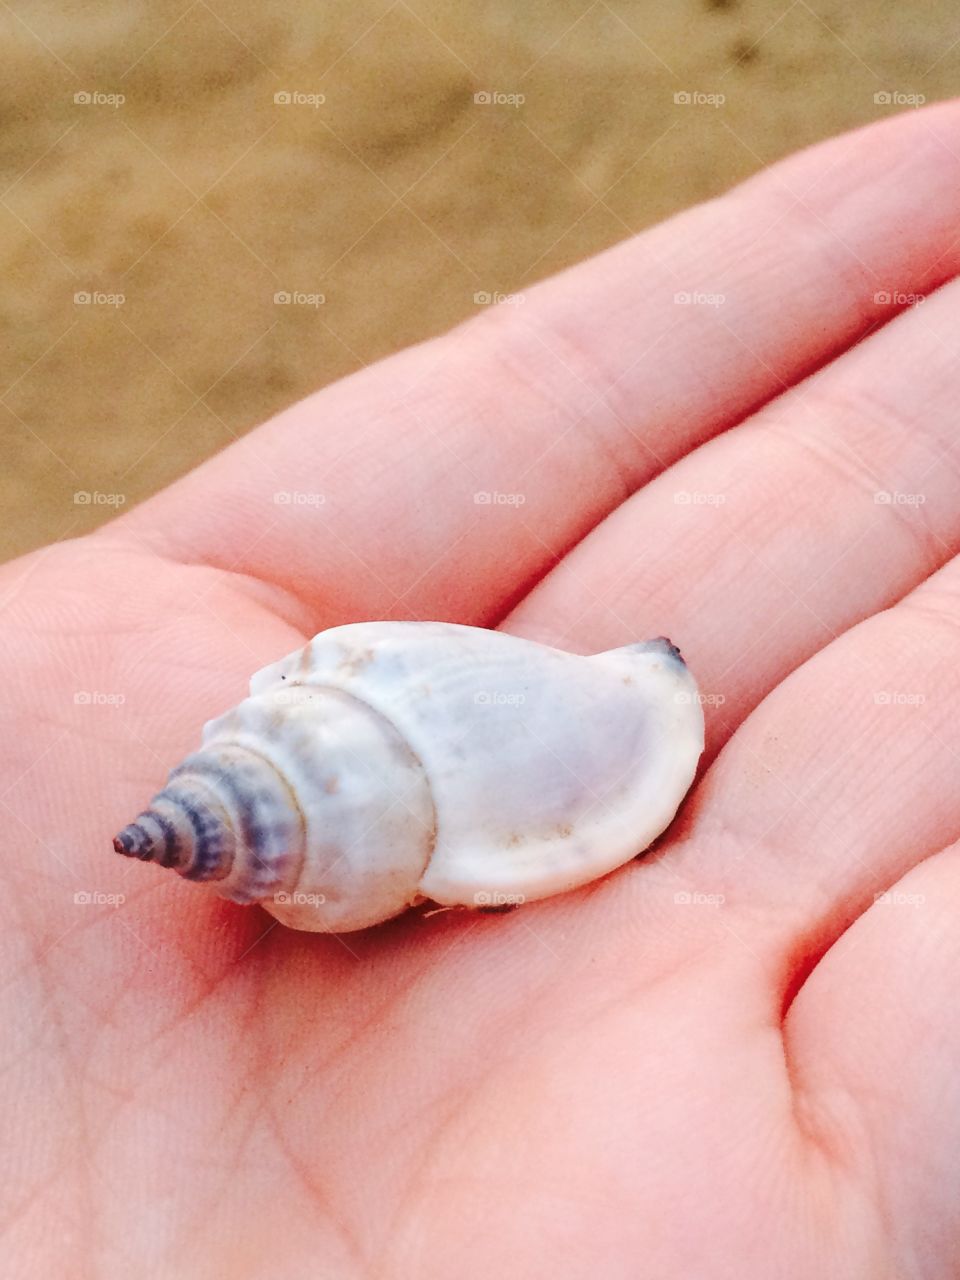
226	816
181	831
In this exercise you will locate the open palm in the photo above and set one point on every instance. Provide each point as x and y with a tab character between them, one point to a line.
736	1057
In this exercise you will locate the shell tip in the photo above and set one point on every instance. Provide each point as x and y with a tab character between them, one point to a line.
134	842
664	645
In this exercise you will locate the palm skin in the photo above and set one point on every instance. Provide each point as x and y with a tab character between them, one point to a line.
730	1058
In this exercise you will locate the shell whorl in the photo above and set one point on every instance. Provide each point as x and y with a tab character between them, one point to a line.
301	797
226	815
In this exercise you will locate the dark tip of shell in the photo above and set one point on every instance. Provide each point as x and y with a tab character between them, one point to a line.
134	842
663	644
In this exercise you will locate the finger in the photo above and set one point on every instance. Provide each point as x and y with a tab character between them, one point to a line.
762	546
873	1040
840	782
568	403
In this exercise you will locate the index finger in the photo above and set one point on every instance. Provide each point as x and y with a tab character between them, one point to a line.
445	481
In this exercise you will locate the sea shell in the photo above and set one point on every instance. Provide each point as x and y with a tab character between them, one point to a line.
385	763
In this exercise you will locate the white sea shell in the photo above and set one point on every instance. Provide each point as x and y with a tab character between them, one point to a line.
390	762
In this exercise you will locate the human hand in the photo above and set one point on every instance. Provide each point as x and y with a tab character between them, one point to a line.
725	1060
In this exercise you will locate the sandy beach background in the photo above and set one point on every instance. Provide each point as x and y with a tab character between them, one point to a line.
210	209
